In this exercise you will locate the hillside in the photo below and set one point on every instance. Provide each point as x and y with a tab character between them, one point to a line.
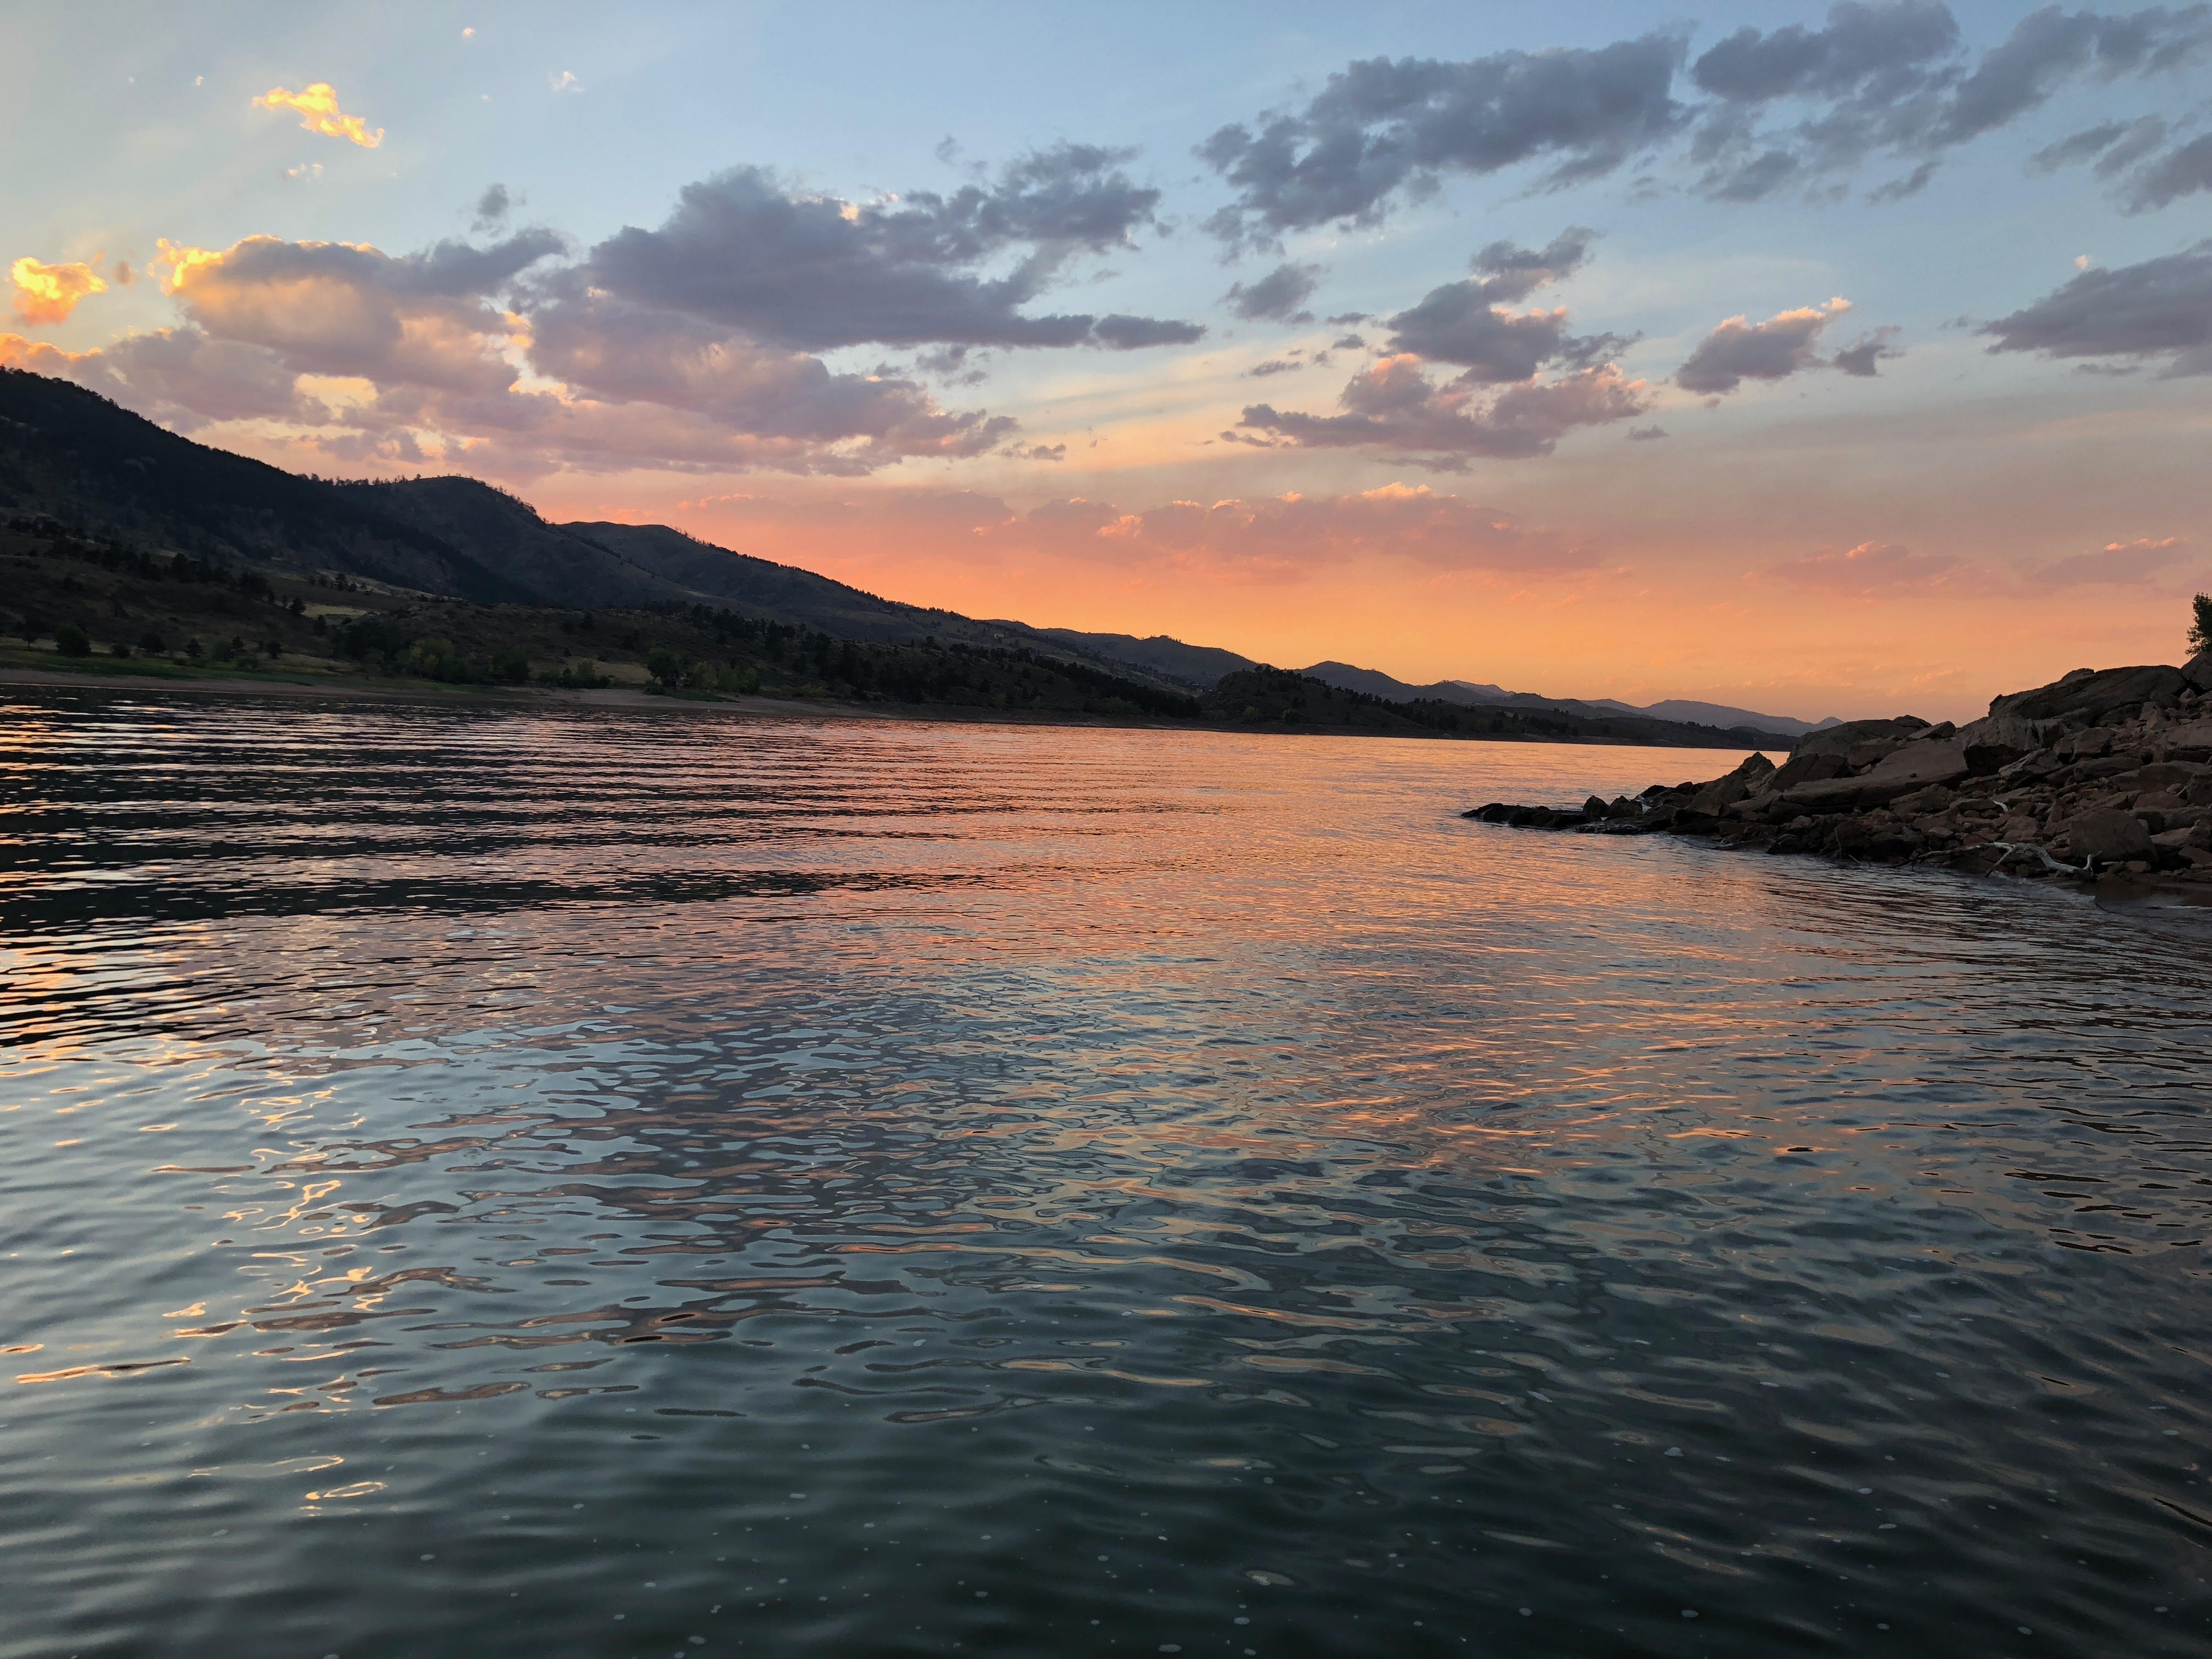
79	470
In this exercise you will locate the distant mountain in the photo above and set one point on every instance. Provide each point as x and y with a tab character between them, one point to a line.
1677	710
72	456
1199	666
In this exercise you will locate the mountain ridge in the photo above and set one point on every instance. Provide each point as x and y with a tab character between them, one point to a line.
69	453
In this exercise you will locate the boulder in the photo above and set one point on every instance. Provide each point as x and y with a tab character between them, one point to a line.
1842	740
2108	836
2198	671
2091	695
2194	738
1806	769
1917	765
1728	791
2003	731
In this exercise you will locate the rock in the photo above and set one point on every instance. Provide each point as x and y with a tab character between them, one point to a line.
2198	671
1726	792
2003	731
1921	803
2108	836
1622	807
2194	738
1807	768
1930	761
1840	740
2174	775
2092	695
1594	807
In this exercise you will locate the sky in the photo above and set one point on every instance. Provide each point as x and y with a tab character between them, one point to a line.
1848	360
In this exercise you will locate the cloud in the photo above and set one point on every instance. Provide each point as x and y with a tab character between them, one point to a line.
817	272
1271	538
1274	366
1645	435
48	294
1864	48
1892	80
1462	322
1403	521
491	209
185	381
1739	350
1869	570
2160	309
350	309
2178	172
564	80
403	360
1277	296
1860	358
1393	404
626	353
2115	564
318	106
1380	126
40	357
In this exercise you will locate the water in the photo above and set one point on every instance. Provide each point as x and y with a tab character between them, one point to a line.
596	1183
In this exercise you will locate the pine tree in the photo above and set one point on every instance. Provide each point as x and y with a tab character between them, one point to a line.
2200	630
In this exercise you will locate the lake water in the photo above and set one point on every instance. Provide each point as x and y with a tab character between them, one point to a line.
597	1183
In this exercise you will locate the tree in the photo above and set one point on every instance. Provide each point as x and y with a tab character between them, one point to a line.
2200	630
72	642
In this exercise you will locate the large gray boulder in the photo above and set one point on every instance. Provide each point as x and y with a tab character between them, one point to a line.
1914	767
2109	837
1726	792
1842	740
1919	764
2091	695
2198	671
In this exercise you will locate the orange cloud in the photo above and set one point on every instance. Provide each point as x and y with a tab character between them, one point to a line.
180	262
16	352
319	113
47	293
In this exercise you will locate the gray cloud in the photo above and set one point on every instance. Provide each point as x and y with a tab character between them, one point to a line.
1739	350
186	381
1509	272
2115	564
1860	358
1276	296
1380	126
1891	80
1124	333
1464	323
813	272
1879	81
1394	405
2079	147
1881	50
492	208
1645	435
2178	172
2160	309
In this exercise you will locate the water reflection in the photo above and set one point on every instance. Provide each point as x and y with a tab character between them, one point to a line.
485	1184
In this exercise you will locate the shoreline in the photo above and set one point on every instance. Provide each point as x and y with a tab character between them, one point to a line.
2101	781
640	702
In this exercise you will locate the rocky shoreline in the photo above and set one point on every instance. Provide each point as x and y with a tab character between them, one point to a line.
2106	771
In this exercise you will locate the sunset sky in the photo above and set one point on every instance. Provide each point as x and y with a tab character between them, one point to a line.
1840	359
